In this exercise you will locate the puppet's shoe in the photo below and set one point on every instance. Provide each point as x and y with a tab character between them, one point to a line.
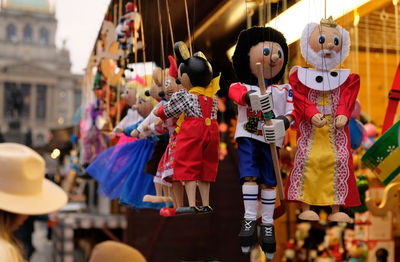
339	217
248	235
186	210
309	215
268	242
148	198
204	210
168	212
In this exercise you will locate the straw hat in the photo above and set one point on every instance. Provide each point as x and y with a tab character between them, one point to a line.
114	251
23	188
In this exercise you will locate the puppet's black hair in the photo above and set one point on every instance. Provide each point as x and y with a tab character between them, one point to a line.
249	38
198	71
197	67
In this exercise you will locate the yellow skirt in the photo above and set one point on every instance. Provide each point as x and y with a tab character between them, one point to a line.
318	184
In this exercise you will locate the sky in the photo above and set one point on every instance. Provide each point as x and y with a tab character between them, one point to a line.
79	22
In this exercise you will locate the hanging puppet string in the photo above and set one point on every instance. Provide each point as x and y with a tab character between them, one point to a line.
384	16
188	28
143	42
161	40
170	27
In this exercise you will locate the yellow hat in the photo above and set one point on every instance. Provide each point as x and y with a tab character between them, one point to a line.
115	251
23	188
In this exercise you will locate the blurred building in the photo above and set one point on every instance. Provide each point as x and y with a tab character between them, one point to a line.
37	90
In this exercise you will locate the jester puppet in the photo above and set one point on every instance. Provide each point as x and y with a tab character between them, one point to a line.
324	99
268	47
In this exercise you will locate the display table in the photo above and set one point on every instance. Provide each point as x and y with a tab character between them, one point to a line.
67	223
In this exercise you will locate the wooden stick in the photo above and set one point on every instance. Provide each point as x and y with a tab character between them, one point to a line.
170	28
188	28
161	38
144	45
272	145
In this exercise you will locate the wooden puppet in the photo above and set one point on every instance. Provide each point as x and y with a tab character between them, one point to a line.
132	116
197	144
324	99
267	46
163	179
119	169
148	128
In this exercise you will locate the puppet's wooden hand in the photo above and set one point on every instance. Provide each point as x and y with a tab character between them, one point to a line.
158	121
135	133
146	127
155	111
318	120
340	121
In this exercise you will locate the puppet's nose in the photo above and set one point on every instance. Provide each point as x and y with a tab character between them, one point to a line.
330	46
274	58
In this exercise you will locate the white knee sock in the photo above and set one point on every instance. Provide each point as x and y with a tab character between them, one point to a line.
268	198
250	195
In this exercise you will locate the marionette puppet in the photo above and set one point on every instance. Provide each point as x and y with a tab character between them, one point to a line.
131	117
197	144
163	178
324	99
151	126
268	47
119	169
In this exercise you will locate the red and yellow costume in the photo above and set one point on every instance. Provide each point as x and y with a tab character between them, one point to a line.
323	171
197	143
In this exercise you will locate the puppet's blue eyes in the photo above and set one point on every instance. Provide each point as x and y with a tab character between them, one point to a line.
266	51
141	101
280	53
321	39
336	41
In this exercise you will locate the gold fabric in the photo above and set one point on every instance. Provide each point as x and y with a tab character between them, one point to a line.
318	186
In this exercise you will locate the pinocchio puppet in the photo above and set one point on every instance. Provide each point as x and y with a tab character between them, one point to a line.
197	144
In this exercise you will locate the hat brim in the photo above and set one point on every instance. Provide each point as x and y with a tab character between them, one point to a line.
51	199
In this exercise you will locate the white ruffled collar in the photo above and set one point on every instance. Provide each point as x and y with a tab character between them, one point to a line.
322	80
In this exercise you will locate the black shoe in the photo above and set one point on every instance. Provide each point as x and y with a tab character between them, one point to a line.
268	242
204	210
248	235
187	210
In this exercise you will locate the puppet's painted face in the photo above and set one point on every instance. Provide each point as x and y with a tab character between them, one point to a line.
129	96
325	45
171	87
144	108
270	55
184	80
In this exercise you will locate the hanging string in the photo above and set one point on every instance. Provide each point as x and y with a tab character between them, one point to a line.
193	24
396	17
171	31
384	16
143	42
161	40
368	65
135	38
325	9
188	28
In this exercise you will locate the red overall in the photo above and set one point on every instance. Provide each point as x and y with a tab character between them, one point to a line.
197	145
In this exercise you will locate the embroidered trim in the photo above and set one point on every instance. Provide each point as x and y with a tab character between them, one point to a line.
303	143
342	156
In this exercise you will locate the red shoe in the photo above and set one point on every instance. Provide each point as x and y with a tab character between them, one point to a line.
168	212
